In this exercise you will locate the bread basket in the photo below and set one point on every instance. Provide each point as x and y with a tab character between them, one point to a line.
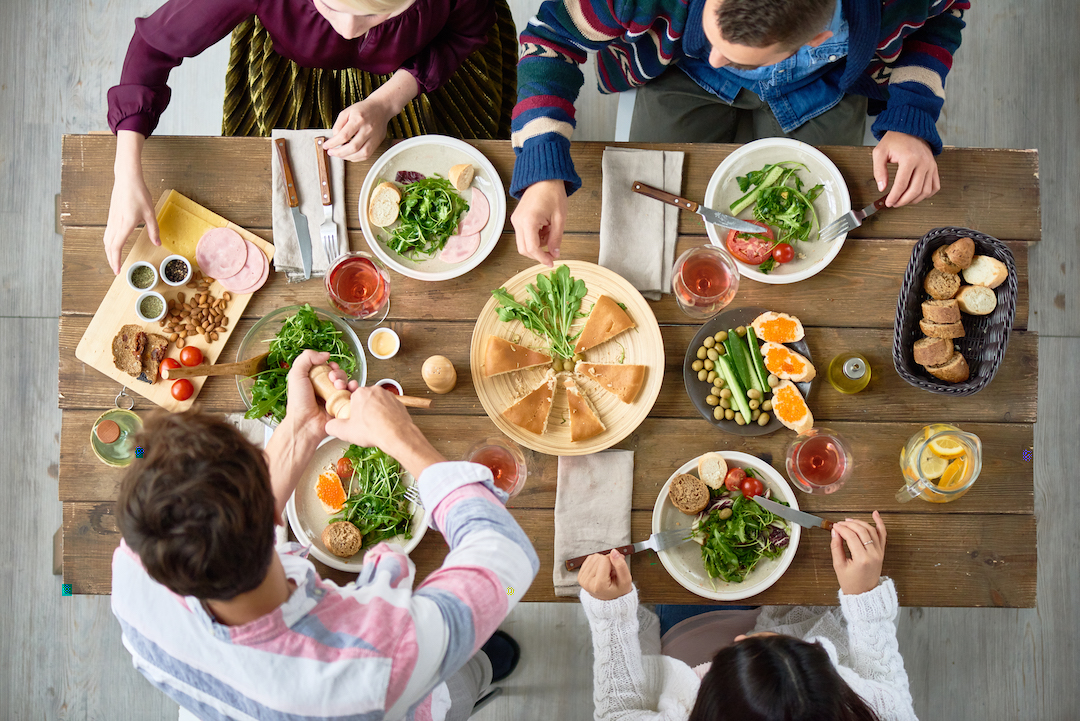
986	337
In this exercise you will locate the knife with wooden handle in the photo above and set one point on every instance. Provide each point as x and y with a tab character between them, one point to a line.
303	237
708	214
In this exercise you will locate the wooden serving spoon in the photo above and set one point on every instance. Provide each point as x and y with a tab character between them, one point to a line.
248	367
337	400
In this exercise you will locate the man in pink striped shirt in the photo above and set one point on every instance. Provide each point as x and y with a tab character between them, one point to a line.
232	627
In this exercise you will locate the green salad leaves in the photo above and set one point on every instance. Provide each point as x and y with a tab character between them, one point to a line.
552	305
375	502
776	192
427	215
298	333
733	546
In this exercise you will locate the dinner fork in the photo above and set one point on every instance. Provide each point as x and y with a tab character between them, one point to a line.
850	220
413	495
328	229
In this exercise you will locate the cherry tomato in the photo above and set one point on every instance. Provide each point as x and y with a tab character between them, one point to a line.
751	249
751	487
182	389
734	478
344	469
169	363
191	356
783	253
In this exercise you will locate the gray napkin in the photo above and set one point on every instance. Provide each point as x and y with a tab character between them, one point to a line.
638	234
305	168
592	509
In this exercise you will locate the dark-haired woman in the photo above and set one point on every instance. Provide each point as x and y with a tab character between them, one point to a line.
798	664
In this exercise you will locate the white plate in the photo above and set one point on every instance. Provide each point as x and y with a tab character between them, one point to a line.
435	155
684	562
307	518
834	201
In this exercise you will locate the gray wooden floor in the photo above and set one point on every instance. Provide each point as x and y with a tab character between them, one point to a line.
63	657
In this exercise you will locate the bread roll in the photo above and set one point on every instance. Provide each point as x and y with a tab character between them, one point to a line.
986	271
961	252
941	285
942	262
941	330
933	351
342	539
976	300
941	311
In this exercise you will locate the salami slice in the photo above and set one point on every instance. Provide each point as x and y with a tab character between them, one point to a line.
259	283
477	217
249	273
221	253
459	248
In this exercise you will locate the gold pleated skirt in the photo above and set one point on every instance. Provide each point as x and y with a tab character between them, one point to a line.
264	91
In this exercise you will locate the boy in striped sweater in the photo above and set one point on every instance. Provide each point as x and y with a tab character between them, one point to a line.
807	69
231	627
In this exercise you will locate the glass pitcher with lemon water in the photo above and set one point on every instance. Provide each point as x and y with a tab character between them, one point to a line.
939	463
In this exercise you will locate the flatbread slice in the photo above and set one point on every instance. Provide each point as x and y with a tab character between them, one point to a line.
502	356
605	322
584	422
531	412
621	380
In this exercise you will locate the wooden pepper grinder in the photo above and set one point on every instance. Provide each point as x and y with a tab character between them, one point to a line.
338	400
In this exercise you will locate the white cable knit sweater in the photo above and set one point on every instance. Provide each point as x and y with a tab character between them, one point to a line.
633	682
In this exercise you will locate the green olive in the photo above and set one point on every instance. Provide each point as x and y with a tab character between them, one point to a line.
701	352
712	354
741	330
773	381
711	377
726	393
721	336
755	414
763	419
721	350
754	405
714	391
719	382
702	374
724	514
766	405
718	413
557	365
709	342
729	414
578	358
709	365
697	365
725	403
739	419
754	393
712	400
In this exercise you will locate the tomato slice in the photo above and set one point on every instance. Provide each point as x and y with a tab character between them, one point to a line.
734	478
751	249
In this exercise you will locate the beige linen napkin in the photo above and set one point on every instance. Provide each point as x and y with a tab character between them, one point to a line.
305	170
592	509
638	234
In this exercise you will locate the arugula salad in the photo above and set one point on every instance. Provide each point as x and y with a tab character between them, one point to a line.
375	495
428	215
552	305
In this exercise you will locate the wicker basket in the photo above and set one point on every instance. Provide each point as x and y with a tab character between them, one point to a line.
986	338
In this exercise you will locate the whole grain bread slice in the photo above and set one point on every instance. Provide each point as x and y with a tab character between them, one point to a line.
153	354
689	494
961	252
954	370
941	285
941	330
127	349
941	311
933	351
942	262
342	539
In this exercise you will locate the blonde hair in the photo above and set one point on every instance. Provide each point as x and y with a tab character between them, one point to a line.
375	7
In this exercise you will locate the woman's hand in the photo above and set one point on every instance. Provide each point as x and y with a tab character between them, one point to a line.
916	170
361	128
866	544
605	577
131	203
539	219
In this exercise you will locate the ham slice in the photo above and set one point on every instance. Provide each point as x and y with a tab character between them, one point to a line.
459	248
259	283
477	217
221	252
249	274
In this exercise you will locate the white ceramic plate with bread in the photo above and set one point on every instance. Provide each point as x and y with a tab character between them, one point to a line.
723	189
308	518
684	562
434	155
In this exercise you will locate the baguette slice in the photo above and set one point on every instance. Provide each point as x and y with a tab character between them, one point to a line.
620	379
977	300
689	494
712	468
986	271
462	175
954	370
941	286
791	409
383	206
941	311
785	363
933	351
941	330
502	356
778	328
584	420
942	262
961	252
531	412
342	539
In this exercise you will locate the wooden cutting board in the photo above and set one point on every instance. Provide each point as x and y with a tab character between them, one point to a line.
181	222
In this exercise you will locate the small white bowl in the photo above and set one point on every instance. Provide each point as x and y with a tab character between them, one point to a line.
141	264
383	331
169	259
151	294
390	382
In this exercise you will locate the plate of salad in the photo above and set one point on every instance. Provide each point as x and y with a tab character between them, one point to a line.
371	496
439	231
741	549
791	190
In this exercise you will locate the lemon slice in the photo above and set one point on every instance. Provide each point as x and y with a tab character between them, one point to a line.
931	465
947	447
935	428
953	477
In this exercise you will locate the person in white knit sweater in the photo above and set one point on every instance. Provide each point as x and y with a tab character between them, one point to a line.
798	664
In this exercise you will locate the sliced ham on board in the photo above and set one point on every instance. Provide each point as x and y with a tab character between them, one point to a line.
259	283
221	252
248	276
459	248
477	217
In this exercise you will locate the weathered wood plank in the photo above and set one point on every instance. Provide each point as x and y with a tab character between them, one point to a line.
987	561
996	191
1010	398
858	289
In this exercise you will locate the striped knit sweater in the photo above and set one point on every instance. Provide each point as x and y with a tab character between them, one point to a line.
371	650
899	52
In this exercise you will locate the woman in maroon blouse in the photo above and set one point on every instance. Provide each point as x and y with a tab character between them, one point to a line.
368	68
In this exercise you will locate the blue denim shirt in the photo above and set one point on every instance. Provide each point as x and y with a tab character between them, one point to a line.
797	89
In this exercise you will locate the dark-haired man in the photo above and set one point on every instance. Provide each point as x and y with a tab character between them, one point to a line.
231	627
807	69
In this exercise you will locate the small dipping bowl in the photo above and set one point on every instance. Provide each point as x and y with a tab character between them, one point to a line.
391	385
111	445
153	275
386	340
139	307
186	268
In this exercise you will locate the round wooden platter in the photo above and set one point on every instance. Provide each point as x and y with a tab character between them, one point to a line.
642	345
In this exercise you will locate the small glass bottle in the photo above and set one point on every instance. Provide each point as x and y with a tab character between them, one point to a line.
110	437
849	372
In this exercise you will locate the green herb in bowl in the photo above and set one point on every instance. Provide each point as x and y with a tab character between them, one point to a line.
428	214
776	192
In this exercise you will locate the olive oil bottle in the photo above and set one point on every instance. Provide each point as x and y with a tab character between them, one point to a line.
849	372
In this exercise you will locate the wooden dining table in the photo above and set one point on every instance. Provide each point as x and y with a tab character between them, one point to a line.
979	550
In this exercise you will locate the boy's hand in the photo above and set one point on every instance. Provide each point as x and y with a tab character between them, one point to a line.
606	577
539	219
916	170
862	571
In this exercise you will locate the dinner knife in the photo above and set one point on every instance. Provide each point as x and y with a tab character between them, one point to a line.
656	542
303	237
709	215
804	519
